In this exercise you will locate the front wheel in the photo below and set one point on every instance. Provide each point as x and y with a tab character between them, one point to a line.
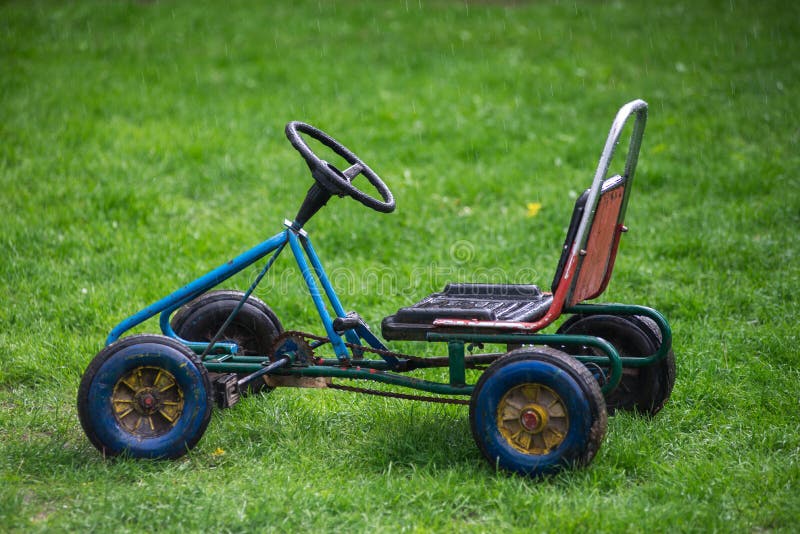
145	395
536	411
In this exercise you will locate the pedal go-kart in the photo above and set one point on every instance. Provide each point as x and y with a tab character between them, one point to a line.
538	407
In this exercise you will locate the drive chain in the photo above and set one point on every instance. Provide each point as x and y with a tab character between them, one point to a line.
379	393
381	352
352	346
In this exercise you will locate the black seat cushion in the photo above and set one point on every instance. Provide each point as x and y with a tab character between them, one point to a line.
486	302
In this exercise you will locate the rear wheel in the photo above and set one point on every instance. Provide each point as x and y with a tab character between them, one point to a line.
254	328
536	411
642	389
145	395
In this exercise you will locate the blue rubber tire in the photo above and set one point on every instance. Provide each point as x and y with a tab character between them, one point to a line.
95	407
578	391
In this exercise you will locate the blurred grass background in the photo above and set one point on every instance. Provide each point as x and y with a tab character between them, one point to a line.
141	144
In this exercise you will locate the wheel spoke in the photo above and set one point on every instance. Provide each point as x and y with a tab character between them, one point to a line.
559	421
547	398
515	403
510	413
147	395
529	440
541	446
555	437
531	392
532	418
556	409
131	386
167	417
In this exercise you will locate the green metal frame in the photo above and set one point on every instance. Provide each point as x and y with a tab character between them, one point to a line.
380	370
611	359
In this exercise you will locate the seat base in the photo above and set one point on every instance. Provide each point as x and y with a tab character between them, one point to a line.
485	302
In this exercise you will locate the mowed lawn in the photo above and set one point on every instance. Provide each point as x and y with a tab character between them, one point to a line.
141	144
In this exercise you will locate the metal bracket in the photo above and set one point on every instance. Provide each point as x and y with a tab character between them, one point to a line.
289	224
226	390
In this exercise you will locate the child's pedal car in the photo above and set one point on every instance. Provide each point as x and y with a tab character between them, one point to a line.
540	405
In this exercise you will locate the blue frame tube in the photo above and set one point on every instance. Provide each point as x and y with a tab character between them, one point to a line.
201	285
301	248
197	346
339	347
352	337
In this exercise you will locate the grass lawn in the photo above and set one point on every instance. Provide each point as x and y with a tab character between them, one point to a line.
141	144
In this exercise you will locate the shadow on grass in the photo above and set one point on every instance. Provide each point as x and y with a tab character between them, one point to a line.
330	429
285	430
308	432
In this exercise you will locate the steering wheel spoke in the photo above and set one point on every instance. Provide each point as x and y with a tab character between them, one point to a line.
354	170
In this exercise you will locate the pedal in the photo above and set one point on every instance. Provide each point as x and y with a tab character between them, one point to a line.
350	321
353	321
226	390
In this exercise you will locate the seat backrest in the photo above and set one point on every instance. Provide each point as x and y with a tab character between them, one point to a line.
590	248
572	231
596	259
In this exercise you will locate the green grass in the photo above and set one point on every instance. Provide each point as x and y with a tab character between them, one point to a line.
141	144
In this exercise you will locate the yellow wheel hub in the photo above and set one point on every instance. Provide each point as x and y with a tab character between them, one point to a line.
147	401
532	418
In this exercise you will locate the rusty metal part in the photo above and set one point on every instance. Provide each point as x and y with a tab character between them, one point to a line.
314	382
408	362
304	353
406	396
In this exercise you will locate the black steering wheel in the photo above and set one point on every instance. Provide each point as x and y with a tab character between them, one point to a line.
330	178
